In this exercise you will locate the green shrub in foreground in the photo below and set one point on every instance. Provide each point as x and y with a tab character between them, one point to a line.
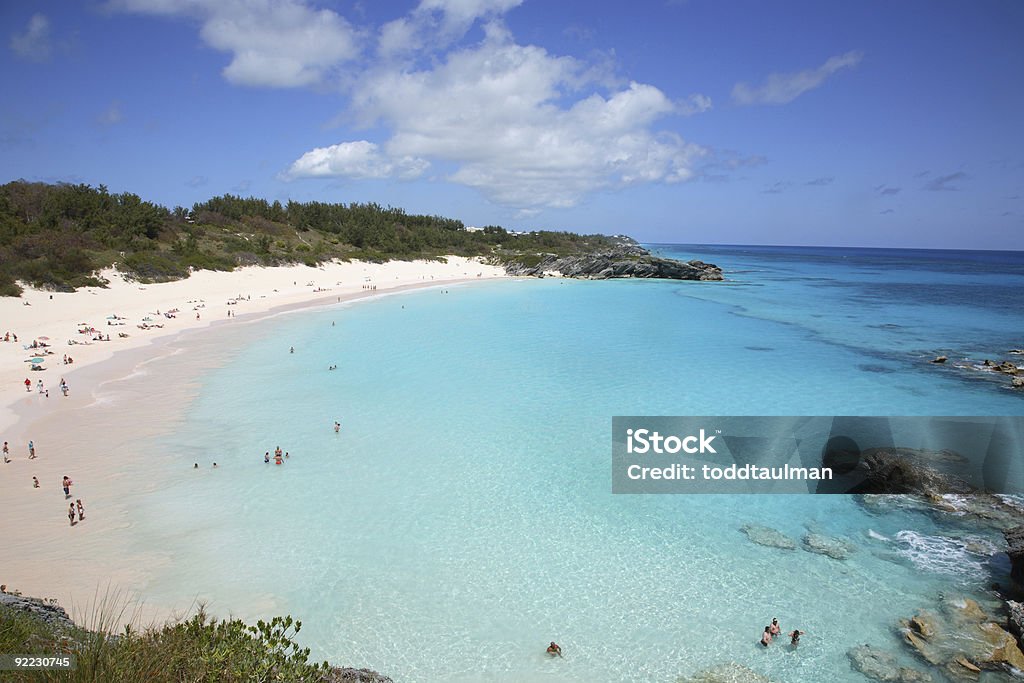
198	650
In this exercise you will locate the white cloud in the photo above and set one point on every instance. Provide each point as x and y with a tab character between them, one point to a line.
435	24
34	43
527	128
273	44
112	115
360	159
503	115
780	88
458	15
694	104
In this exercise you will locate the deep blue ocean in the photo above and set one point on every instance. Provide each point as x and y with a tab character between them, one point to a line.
463	518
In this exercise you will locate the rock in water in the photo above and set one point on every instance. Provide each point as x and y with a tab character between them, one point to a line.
727	673
349	675
875	664
836	548
766	536
939	359
1015	541
1015	620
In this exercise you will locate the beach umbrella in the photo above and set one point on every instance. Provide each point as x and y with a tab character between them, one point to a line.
43	338
35	360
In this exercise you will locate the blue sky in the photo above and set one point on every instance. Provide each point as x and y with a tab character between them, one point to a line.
692	121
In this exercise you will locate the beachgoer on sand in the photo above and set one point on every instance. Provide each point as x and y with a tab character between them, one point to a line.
67	486
28	384
31	450
81	509
71	513
35	482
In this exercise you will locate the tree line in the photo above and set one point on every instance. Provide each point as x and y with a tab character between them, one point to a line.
59	235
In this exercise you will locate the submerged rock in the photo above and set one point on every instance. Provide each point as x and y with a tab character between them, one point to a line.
836	548
727	673
875	664
766	536
965	643
349	675
883	666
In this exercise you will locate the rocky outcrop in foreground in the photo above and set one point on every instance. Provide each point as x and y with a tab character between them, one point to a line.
621	262
965	641
49	612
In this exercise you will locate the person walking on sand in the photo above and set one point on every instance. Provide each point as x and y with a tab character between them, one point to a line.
31	450
71	513
67	487
35	482
81	509
7	450
28	385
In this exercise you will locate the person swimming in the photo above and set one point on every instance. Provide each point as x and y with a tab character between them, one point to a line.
554	649
766	637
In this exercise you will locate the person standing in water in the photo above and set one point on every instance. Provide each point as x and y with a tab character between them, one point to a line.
775	628
554	649
337	427
794	637
766	637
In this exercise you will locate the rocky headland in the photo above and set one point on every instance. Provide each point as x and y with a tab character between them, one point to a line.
626	260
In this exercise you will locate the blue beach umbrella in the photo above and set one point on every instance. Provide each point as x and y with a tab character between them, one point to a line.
35	360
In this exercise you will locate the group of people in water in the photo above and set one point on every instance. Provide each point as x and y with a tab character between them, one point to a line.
278	458
774	629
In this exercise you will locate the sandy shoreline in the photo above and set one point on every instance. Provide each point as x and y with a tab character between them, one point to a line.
112	403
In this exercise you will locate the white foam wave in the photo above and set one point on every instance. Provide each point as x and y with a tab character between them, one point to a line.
942	554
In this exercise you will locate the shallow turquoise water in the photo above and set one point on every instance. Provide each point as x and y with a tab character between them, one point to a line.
463	518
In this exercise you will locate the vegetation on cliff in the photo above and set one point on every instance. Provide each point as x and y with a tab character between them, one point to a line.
196	649
58	236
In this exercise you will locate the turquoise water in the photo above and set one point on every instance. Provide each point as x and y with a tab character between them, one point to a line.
463	517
